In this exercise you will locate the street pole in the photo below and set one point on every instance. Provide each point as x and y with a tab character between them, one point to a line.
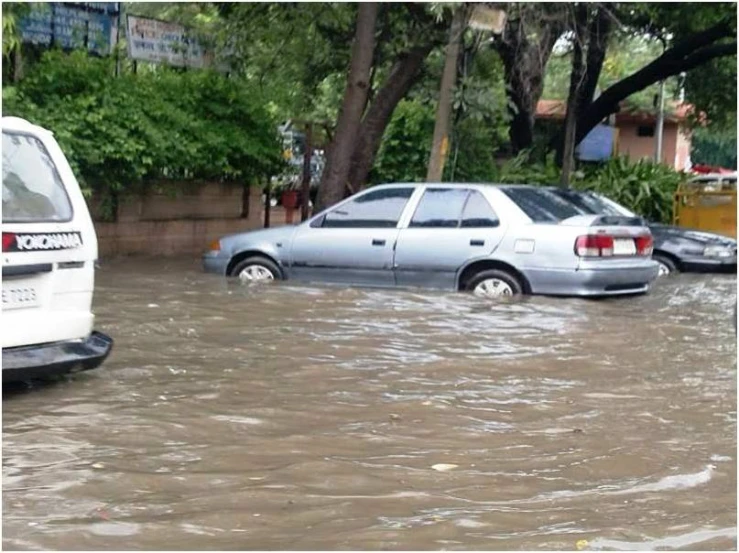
440	144
659	130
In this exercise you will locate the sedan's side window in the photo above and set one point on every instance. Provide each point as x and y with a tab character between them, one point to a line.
377	209
440	208
478	213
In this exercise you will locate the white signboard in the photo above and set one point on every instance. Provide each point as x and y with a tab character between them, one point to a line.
162	42
484	18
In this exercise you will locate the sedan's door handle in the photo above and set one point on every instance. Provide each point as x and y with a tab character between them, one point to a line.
474	242
378	242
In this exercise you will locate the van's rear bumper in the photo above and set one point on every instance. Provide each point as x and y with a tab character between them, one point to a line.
58	358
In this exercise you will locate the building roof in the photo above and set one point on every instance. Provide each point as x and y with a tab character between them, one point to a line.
674	112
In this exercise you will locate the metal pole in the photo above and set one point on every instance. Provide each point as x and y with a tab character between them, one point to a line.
659	131
440	144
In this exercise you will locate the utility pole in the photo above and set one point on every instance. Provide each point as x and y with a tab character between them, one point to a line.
659	130
440	144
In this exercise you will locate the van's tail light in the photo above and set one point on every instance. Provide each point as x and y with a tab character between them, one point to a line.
594	245
8	241
644	245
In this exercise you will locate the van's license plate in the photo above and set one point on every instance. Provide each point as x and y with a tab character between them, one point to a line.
17	297
624	246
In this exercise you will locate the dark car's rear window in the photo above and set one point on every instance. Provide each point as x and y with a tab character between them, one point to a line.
541	205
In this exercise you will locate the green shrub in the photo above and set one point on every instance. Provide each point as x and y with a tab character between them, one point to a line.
404	153
118	132
645	187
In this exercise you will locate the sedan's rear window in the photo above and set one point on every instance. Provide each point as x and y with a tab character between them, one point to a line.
542	206
32	189
588	203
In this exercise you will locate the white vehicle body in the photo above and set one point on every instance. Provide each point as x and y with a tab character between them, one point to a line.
48	260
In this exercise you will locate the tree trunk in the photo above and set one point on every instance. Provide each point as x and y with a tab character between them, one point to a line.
524	63
440	142
574	96
305	185
596	43
404	74
336	172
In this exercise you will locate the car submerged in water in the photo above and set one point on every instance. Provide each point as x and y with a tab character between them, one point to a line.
676	249
492	240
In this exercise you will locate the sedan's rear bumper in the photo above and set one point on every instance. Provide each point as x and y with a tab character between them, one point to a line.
593	282
58	358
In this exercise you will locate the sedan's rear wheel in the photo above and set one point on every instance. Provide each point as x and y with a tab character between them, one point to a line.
256	270
494	283
666	265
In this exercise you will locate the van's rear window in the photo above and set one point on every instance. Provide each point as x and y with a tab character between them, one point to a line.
32	189
541	205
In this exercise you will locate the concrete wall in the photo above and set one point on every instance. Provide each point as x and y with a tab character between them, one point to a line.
637	147
164	222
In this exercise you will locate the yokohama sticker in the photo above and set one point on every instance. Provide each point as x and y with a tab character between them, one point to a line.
46	242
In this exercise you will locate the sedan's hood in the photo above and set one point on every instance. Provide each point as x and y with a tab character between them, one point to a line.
698	236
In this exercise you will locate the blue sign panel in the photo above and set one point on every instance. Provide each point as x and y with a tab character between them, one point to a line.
597	145
90	25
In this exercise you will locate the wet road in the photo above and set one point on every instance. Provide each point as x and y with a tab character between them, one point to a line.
294	417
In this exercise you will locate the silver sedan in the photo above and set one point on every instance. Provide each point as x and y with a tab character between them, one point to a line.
493	240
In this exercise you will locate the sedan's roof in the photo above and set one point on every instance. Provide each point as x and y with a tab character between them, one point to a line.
462	184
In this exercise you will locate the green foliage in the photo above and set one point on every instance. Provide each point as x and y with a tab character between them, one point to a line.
643	187
12	13
406	145
118	132
472	156
714	147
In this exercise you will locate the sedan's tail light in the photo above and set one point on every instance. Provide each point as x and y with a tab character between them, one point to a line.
644	245
594	245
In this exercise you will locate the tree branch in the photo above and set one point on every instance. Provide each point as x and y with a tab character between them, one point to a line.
664	66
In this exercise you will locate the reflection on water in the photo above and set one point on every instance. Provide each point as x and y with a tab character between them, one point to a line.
299	417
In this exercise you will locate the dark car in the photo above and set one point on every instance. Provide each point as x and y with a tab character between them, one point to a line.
675	248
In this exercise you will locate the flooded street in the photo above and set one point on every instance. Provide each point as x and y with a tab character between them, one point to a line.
301	417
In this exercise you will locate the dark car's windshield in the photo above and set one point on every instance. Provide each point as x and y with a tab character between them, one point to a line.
542	205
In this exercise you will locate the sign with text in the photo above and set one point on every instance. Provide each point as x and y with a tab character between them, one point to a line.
162	42
87	25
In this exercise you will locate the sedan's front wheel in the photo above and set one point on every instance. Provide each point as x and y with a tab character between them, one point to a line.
256	269
494	283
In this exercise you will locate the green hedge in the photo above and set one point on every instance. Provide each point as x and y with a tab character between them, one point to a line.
118	132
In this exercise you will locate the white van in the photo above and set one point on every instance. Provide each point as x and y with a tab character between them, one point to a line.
49	254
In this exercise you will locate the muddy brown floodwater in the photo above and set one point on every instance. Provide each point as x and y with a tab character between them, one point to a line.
301	417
